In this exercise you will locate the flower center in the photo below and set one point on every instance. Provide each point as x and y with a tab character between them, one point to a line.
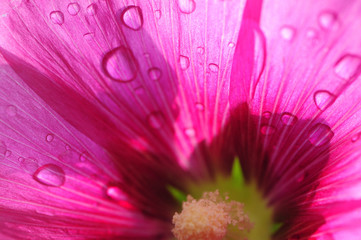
210	218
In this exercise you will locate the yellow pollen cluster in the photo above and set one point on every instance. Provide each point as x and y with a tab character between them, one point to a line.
209	218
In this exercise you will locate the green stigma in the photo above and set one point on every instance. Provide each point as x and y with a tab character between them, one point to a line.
236	189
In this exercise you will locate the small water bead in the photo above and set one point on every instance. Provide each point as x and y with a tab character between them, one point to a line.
29	165
311	33
8	153
154	73
213	67
132	17
88	36
231	45
200	50
73	8
288	119
158	14
287	33
323	99
187	6
116	193
92	9
320	134
348	67
119	64
200	107
57	17
184	62
49	137
83	157
328	20
50	175
11	111
190	132
355	137
268	130
267	114
155	120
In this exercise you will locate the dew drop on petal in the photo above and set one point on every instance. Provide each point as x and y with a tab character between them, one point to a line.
288	119
187	6
92	9
57	17
268	130
231	45
287	33
8	153
320	134
190	132
328	20
200	50
73	8
348	67
154	73
355	137
29	165
132	17
119	64
116	193
267	114
155	120
158	14
323	99
184	62
213	67
50	175
11	111
83	157
49	137
200	107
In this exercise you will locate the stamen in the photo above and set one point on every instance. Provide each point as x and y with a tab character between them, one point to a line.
209	218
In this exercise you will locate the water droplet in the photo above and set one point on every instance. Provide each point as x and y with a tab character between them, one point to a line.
268	130
311	33
288	119
67	147
231	44
158	14
323	99
320	134
132	17
267	114
190	132
11	111
120	65
154	73
49	137
355	137
288	33
184	62
116	193
348	67
50	175
200	50
186	6
328	20
92	9
200	107
8	153
29	165
88	36
213	67
155	120
73	8
83	157
57	17
139	90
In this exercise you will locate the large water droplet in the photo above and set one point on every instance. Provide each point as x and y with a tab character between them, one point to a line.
348	67
328	20
11	111
187	6
200	107
323	99
92	9
73	8
288	119
320	134
213	67
268	130
155	120
29	165
49	137
116	193
184	62
132	17
119	64
154	73
287	33
57	17
50	175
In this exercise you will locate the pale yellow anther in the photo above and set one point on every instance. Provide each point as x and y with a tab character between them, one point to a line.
209	218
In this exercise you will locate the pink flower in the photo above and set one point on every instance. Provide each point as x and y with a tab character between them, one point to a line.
107	105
